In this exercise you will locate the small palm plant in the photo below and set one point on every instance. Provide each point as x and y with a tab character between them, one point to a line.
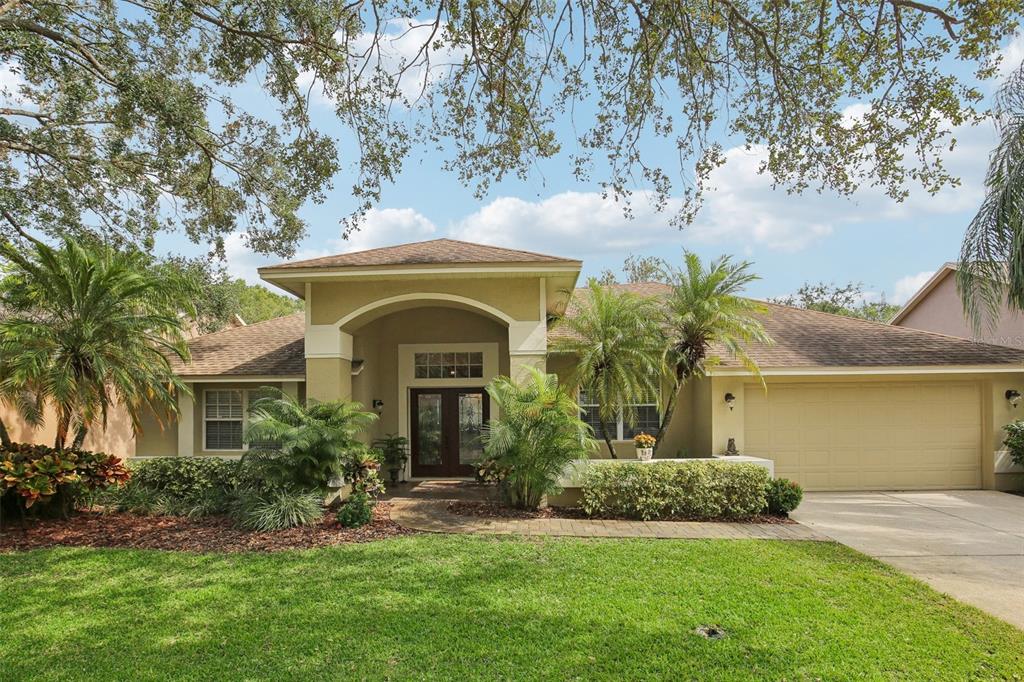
538	434
303	446
617	342
87	326
705	309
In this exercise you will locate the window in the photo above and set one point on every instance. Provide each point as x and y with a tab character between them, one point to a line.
222	420
648	419
468	365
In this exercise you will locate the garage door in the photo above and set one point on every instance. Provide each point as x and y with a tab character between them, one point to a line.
868	436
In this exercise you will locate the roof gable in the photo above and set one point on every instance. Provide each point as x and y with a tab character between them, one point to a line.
432	252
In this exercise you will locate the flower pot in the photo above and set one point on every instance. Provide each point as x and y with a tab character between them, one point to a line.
394	475
644	454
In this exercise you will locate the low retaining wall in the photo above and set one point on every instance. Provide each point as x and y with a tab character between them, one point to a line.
573	475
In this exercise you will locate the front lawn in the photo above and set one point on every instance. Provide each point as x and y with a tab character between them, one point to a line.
474	607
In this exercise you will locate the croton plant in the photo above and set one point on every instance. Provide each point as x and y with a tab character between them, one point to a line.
36	472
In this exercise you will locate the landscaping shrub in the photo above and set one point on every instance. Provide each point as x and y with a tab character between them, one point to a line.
33	474
186	477
276	510
783	495
538	434
356	511
665	490
1014	441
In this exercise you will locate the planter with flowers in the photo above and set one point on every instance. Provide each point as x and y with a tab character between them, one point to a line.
644	446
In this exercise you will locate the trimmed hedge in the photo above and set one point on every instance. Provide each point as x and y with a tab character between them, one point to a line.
186	477
674	490
784	496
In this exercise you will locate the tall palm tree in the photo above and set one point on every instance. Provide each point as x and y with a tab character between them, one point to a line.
304	445
705	309
991	268
617	343
87	326
538	434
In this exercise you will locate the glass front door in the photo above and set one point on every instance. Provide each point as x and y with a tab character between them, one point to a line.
447	428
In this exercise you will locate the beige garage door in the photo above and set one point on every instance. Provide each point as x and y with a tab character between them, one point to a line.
868	436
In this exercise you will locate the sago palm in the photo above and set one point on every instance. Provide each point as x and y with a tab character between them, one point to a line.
991	268
705	309
305	445
538	434
617	344
85	327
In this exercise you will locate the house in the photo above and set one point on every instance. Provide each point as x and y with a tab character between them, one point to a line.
415	332
936	307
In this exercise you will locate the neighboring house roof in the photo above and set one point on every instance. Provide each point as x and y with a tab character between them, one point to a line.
273	348
433	252
812	339
922	293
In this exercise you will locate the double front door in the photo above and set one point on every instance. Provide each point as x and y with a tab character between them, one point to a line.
447	425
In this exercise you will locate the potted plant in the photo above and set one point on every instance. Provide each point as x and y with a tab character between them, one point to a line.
395	452
644	446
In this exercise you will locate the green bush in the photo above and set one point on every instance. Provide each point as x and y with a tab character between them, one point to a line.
783	495
1014	441
186	477
357	511
276	510
667	490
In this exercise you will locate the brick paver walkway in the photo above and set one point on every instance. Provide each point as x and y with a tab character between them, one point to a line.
423	511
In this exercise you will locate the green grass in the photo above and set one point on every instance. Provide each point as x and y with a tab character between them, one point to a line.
475	607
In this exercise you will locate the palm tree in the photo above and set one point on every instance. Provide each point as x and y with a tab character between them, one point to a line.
538	434
705	309
618	344
86	326
991	268
304	445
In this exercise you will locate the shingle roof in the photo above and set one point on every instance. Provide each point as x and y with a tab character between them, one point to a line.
435	251
803	338
274	347
807	338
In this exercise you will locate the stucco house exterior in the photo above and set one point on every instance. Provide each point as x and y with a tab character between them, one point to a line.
936	307
415	332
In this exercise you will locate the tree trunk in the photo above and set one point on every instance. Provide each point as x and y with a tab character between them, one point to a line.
63	423
5	438
80	437
608	439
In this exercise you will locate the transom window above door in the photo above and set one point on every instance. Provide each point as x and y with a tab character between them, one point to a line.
464	365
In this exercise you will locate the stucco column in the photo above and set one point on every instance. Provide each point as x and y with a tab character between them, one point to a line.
518	364
186	424
328	363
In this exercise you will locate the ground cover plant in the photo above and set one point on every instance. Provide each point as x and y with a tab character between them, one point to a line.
470	607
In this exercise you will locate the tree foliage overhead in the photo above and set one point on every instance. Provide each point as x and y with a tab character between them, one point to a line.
131	116
848	300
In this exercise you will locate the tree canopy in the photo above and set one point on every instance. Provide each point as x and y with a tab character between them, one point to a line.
848	299
130	117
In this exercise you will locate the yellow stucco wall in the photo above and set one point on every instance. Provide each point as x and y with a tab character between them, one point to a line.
517	297
116	438
377	345
159	437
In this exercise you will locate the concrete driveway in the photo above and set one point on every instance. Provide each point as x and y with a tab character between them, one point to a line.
969	544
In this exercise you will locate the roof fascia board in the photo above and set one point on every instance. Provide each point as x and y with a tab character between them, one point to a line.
391	271
239	378
855	371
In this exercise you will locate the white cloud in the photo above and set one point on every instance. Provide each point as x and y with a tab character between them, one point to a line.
10	82
385	227
1012	56
906	287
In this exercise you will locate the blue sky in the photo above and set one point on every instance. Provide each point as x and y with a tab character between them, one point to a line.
892	248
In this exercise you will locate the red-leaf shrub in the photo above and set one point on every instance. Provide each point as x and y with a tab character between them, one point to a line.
36	473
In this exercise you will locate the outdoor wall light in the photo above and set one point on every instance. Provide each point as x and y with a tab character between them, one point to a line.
1013	397
730	400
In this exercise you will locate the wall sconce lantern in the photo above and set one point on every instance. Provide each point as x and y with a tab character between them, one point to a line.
1013	397
730	400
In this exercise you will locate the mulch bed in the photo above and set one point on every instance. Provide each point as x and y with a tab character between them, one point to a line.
213	534
493	510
